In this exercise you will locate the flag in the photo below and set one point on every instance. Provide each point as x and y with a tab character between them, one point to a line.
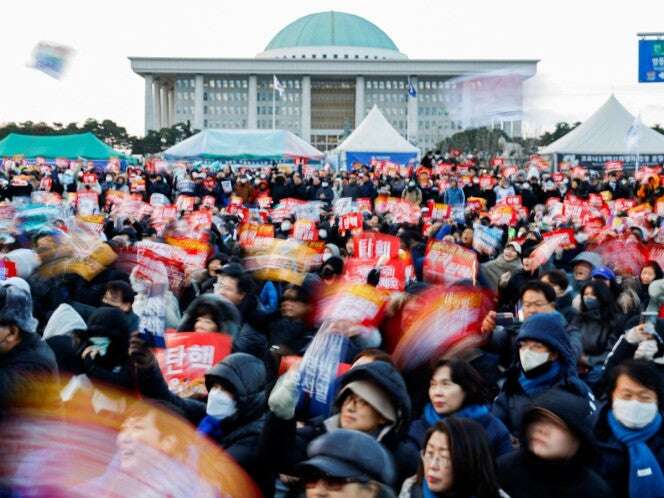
278	86
51	59
634	134
411	89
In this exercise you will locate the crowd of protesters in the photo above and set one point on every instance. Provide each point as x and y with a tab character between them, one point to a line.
562	397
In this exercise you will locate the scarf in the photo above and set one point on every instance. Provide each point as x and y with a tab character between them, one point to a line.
211	427
426	492
645	475
471	411
537	385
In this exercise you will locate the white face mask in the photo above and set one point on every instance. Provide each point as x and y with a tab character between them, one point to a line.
634	414
220	405
532	359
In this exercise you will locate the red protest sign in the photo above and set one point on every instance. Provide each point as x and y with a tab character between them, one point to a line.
447	263
393	275
89	178
509	171
406	212
613	166
503	215
364	205
250	233
264	201
442	321
622	205
188	356
354	302
350	221
372	245
305	230
185	203
512	200
439	211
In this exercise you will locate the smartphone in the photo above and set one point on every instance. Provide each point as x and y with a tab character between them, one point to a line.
505	319
649	318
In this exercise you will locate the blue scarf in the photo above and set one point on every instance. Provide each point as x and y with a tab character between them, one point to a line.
645	475
426	492
471	411
211	427
537	385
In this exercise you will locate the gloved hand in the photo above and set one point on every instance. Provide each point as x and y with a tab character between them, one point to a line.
646	350
636	335
284	396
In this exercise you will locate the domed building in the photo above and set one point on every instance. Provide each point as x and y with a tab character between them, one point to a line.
320	75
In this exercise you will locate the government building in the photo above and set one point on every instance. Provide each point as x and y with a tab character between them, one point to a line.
331	68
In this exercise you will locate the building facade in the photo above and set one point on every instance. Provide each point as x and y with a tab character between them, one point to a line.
332	68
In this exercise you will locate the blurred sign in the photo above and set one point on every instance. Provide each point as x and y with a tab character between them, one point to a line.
651	61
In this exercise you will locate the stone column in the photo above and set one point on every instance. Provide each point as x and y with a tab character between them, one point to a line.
149	103
411	132
171	107
198	103
306	108
157	104
359	100
252	103
163	103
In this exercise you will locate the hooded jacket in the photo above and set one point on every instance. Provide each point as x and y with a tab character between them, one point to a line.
512	401
523	474
245	376
224	312
285	445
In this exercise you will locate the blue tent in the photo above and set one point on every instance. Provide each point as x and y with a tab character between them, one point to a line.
244	145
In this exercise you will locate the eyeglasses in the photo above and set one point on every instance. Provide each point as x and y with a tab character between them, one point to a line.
443	458
535	304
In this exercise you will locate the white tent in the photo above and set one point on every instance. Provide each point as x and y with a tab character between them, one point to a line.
606	136
376	138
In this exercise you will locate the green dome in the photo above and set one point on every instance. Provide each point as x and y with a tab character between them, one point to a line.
331	29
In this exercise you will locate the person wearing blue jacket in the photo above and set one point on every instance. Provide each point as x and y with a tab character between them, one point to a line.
456	388
454	195
544	359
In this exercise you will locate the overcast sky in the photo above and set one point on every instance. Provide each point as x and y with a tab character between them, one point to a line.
587	49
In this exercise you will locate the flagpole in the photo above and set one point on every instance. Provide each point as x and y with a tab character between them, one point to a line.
274	104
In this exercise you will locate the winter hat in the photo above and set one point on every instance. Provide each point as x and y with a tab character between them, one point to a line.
603	272
370	393
563	406
336	263
592	258
334	250
348	454
16	308
544	325
17	282
26	261
516	246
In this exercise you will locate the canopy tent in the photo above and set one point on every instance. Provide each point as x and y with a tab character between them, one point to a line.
610	134
244	145
75	146
375	138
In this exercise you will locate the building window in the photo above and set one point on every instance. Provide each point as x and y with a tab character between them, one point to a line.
336	56
345	56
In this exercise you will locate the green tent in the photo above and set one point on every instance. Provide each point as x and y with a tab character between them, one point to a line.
82	145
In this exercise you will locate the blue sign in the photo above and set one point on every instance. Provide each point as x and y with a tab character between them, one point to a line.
651	61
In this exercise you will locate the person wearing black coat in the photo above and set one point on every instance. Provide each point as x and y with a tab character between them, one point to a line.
556	454
235	420
27	363
544	359
371	398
